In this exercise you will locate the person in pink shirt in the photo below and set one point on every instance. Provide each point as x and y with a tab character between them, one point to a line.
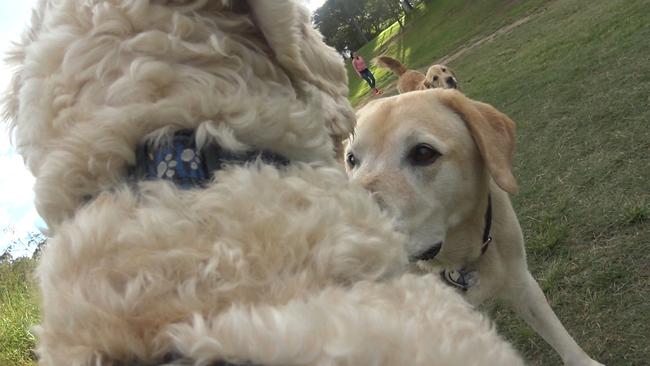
362	70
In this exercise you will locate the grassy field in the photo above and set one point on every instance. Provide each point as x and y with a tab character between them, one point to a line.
18	312
576	79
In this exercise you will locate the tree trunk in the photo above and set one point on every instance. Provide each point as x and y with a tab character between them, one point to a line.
408	5
352	18
356	25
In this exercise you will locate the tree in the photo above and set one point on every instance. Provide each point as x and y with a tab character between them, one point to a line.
332	21
349	24
32	241
406	4
394	8
6	256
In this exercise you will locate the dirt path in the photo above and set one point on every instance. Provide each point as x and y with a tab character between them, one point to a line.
489	38
391	89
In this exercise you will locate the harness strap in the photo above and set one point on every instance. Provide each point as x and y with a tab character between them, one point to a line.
180	161
175	359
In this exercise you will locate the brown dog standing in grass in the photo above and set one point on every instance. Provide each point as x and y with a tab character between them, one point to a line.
437	76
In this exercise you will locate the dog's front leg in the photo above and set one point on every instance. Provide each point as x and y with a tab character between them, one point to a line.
528	301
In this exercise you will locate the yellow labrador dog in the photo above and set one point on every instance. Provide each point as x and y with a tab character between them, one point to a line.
437	76
440	163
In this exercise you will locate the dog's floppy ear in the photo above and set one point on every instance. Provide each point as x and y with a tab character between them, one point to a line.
493	132
301	52
428	78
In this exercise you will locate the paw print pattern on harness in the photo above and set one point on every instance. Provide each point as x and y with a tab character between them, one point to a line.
178	160
166	167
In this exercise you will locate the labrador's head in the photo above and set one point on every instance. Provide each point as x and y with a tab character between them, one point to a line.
428	158
441	76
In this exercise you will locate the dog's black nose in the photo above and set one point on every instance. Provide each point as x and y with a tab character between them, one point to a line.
427	254
451	82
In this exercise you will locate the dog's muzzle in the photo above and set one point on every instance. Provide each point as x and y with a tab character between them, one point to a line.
451	83
427	254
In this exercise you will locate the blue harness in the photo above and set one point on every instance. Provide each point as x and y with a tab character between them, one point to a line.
181	162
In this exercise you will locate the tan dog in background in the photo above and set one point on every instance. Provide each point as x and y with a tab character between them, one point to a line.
437	76
440	163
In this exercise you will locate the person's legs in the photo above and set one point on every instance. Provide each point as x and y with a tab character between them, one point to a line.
370	79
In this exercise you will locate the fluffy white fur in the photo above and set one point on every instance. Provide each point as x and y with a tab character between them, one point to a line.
290	266
369	324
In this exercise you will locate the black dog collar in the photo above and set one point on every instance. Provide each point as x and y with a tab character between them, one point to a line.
487	239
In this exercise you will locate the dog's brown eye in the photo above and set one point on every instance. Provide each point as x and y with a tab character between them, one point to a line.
351	160
444	70
423	154
435	78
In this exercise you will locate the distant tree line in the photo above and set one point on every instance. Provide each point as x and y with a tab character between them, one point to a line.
349	24
34	241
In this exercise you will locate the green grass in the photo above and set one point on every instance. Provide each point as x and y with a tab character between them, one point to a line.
576	79
18	312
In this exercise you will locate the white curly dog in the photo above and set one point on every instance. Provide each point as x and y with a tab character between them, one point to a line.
184	161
